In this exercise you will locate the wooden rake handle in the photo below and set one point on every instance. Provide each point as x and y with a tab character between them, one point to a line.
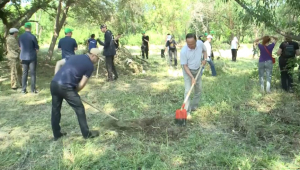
98	109
189	93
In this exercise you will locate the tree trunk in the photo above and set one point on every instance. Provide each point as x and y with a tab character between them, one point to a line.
58	25
40	31
36	27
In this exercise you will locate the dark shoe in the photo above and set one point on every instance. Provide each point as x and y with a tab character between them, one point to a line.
14	88
24	92
60	135
92	134
108	80
193	109
35	91
115	78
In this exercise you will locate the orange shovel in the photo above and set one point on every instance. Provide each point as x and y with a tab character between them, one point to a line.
181	114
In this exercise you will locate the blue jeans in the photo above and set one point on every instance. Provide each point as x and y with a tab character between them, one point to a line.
212	67
265	67
29	65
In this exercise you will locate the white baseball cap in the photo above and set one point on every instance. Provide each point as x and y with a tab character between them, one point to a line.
209	36
95	51
13	30
169	37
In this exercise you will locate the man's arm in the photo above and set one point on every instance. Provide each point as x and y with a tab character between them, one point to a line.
59	45
257	40
204	52
205	57
279	52
59	64
297	52
167	44
275	39
82	83
36	45
16	47
188	72
75	45
100	42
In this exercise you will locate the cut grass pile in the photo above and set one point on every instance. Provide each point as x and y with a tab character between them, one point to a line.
235	127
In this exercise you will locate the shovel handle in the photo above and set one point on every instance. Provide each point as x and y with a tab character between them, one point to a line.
189	93
98	109
183	105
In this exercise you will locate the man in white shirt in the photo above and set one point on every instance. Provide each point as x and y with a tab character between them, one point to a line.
209	52
191	59
234	47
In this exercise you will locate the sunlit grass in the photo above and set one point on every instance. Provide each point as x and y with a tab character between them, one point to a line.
236	127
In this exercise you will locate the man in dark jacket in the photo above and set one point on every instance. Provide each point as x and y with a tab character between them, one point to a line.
67	45
109	51
145	45
29	48
71	75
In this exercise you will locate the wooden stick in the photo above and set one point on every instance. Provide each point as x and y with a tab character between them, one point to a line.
98	109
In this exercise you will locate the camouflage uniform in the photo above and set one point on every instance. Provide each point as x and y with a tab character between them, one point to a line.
13	51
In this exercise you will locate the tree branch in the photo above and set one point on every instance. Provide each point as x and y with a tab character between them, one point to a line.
3	3
266	20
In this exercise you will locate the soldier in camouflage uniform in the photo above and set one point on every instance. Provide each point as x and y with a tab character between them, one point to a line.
13	51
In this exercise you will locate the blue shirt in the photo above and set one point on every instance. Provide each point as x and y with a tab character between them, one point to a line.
73	70
29	45
92	43
67	46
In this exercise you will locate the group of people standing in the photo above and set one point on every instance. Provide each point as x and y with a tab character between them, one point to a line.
287	52
68	46
72	72
24	49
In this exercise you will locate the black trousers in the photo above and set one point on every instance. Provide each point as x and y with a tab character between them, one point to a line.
27	64
145	51
286	67
60	92
162	53
234	54
110	67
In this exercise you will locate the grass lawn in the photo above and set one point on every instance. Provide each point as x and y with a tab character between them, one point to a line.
236	127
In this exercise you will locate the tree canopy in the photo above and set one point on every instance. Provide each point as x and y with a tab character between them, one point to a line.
224	18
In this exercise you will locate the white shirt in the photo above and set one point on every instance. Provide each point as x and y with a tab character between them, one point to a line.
192	57
208	48
234	44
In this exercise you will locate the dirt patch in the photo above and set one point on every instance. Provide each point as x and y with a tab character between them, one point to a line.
157	127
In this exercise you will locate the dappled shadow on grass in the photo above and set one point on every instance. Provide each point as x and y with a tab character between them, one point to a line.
235	126
265	127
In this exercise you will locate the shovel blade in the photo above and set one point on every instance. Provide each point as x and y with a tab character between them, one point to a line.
180	117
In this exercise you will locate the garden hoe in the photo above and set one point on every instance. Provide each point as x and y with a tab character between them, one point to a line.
181	114
99	110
